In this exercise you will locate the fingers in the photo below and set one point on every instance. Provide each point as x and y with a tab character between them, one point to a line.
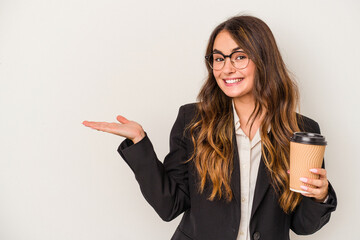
88	124
312	192
105	126
320	171
315	182
319	187
320	182
318	193
315	189
122	119
100	126
85	123
128	129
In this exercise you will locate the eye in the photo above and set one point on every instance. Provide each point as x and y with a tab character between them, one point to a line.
239	56
219	59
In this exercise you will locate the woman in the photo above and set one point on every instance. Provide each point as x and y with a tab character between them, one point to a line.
244	117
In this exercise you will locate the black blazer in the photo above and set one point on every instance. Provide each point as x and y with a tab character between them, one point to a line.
171	189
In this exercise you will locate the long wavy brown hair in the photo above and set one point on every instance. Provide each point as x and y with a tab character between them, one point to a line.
276	95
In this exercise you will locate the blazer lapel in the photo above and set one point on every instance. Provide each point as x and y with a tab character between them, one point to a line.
235	176
262	182
262	185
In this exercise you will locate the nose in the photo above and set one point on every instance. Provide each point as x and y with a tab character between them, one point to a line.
228	67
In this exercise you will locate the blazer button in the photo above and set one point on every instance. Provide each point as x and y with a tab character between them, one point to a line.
256	236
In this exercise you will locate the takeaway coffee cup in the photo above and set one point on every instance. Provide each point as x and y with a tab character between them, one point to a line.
306	152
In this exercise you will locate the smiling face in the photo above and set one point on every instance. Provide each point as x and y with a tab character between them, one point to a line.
235	83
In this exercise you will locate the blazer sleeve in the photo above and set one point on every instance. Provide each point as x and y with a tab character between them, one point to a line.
164	185
310	216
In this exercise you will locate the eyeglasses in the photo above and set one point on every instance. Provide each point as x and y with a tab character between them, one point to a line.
238	59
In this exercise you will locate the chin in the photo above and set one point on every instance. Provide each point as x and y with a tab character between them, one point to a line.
232	94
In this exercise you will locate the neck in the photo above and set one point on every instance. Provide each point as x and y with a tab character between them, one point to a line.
244	107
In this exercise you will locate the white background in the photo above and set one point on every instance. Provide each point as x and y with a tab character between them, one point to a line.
63	62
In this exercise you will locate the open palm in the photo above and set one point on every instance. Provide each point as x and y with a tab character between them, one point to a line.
126	128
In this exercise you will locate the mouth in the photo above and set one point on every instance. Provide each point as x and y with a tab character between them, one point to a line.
232	81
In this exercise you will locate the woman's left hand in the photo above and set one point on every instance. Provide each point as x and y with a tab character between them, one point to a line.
320	188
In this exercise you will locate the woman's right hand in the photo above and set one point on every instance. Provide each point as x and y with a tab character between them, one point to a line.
126	128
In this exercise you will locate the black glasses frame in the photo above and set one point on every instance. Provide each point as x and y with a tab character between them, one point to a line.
225	56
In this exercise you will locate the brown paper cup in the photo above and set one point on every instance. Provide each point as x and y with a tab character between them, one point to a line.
306	153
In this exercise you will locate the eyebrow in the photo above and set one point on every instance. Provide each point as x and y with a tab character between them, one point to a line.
237	48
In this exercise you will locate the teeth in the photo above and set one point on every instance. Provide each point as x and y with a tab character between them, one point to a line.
233	80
